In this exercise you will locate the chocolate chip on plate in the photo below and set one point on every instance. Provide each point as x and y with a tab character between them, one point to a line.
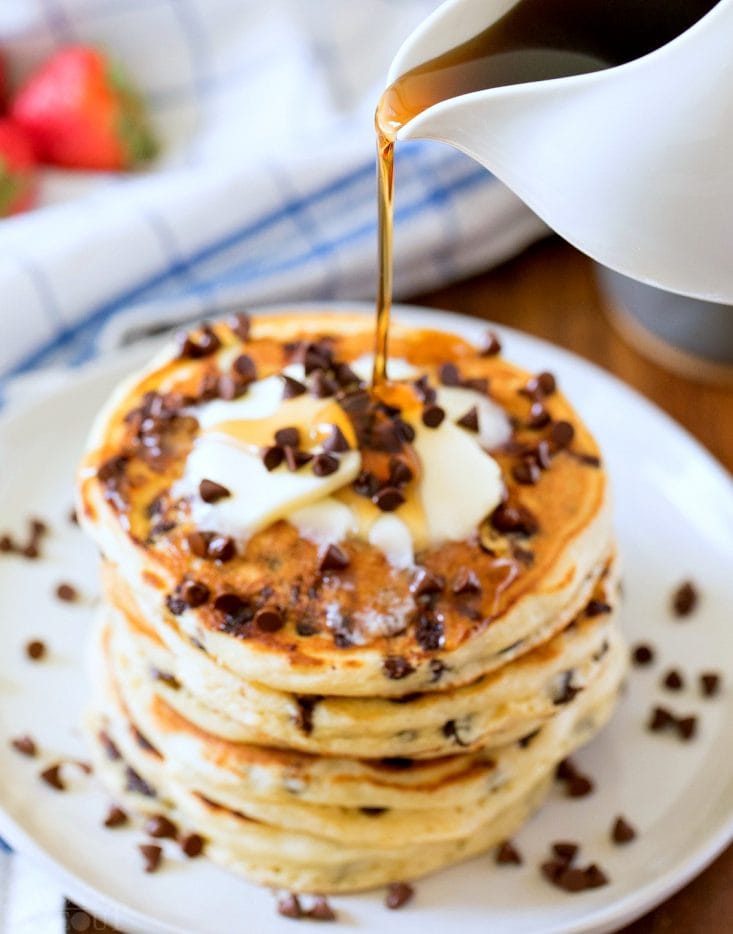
152	856
288	905
622	831
684	599
710	683
687	727
398	894
116	817
25	745
192	845
508	855
469	420
642	654
211	492
320	910
565	851
660	719
67	593
325	464
52	776
161	828
673	680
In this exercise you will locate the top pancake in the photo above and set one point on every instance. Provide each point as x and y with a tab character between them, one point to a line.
536	558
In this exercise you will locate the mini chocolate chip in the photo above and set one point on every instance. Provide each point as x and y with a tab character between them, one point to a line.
396	667
288	906
642	654
321	910
336	441
561	435
544	384
432	416
160	828
334	559
579	786
116	817
136	783
272	456
566	770
373	812
192	845
304	717
684	599
325	464
67	593
345	376
152	856
295	459
526	741
491	346
25	745
221	548
288	437
176	604
465	582
595	877
388	499
211	492
551	869
660	719
429	633
508	855
565	851
572	880
448	374
469	421
405	431
229	387
244	367
597	608
398	894
240	323
366	484
526	472
269	620
709	684
232	605
673	680
322	385
292	387
198	544
400	473
425	582
424	391
687	727
539	417
543	455
565	691
622	831
52	776
477	384
35	650
513	517
194	593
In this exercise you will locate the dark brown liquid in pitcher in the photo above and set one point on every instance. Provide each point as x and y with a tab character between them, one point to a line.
535	40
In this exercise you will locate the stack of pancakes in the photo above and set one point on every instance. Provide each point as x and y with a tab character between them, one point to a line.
331	709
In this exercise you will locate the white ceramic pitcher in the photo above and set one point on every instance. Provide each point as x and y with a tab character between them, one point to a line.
633	164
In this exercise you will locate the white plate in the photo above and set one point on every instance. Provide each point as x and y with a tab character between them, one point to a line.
675	520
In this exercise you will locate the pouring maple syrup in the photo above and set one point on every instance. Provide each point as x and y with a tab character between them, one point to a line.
533	41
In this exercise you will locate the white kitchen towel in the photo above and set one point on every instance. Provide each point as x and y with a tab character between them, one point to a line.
265	186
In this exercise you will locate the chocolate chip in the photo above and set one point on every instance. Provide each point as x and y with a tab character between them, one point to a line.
366	484
684	599
25	745
543	455
687	727
234	606
513	517
388	499
477	384
336	441
175	604
204	345
398	894
229	387
136	783
288	437
292	387
35	650
526	472
323	386
710	684
325	464
304	717
334	559
660	719
572	880
240	324
110	749
152	856
544	384
491	346
673	680
192	845
67	593
469	421
193	593
526	741
465	582
160	828
272	456
244	367
429	633
642	655
437	669
373	812
269	620
116	817
221	548
288	906
539	417
295	459
432	416
316	356
396	667
508	855
565	691
622	831
597	608
595	877
425	582
52	776
212	492
400	473
321	910
448	374
551	869
405	431
345	376
579	786
561	435
565	851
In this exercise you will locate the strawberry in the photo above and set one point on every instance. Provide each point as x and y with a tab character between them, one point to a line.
81	113
17	169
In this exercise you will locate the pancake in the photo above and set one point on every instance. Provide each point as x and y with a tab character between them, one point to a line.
370	628
497	708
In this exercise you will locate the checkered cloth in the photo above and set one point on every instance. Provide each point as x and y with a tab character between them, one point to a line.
264	191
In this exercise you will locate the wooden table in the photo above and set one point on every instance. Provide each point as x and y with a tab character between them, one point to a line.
550	291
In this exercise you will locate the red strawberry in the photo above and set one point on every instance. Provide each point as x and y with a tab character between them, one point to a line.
17	169
81	113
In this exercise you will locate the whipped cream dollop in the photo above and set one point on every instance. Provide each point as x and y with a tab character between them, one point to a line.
456	483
